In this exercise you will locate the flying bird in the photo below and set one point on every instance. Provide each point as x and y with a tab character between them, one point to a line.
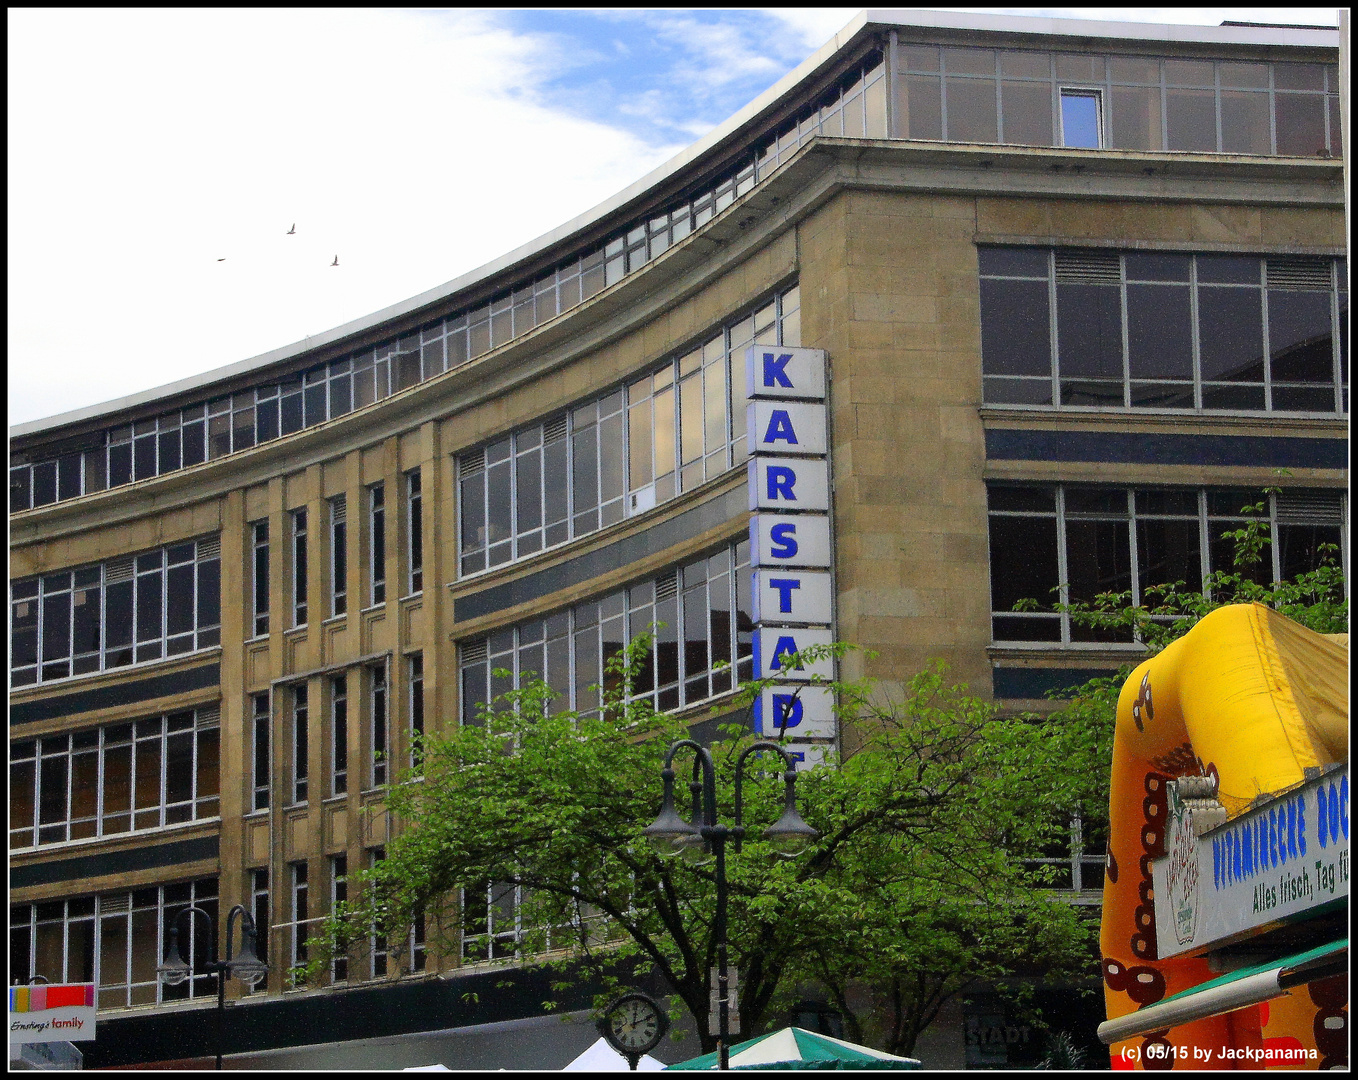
293	230
336	262
221	260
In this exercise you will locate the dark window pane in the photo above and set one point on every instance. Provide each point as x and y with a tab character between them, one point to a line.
1189	73
341	395
1017	391
1098	559
971	111
1134	123
45	482
969	61
169	451
1015	327
144	457
68	476
1301	345
1191	118
554	481
1013	261
1303	398
1022	561
1159	331
1299	76
1244	123
528	480
209	593
119	469
1025	65
85	605
1101	501
1027	112
1156	266
1089	330
585	480
1301	124
179	608
149	616
19	493
1243	75
473	512
1299	547
314	404
194	450
1231	334
243	429
1003	497
1228	269
56	626
1025	628
1167	551
267	419
1229	396
920	106
291	407
1148	395
498	523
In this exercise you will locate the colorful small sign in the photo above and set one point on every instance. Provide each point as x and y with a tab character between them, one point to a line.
62	1012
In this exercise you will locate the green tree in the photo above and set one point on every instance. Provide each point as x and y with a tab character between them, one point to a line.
912	873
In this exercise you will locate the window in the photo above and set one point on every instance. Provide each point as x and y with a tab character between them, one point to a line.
299	566
1081	118
378	731
377	542
339	735
1128	102
1075	862
130	610
299	743
259	906
339	894
1067	543
128	777
298	928
704	608
338	557
1163	330
263	720
490	922
415	531
416	663
377	942
115	940
668	431
260	577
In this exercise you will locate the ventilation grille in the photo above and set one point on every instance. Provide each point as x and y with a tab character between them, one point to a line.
210	548
474	652
208	716
554	429
1298	273
473	462
338	509
116	904
1089	267
117	570
1311	508
666	586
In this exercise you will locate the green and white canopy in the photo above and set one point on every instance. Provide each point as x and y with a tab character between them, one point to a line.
797	1048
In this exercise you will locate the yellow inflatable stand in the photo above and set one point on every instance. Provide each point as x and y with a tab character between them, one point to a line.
1260	702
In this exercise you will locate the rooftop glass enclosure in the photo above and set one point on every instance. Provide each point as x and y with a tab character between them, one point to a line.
894	89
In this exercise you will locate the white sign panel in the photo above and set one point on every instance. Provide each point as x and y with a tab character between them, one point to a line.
784	483
42	1013
784	372
786	427
774	644
807	755
805	712
1273	864
790	540
792	596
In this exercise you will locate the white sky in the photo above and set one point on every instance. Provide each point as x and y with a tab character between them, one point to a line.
147	146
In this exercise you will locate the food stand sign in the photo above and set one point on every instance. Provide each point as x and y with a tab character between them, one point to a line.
51	1013
1279	862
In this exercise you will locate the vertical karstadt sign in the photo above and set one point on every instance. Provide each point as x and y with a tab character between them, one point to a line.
791	555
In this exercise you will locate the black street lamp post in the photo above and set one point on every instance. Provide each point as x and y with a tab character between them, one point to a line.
247	967
671	835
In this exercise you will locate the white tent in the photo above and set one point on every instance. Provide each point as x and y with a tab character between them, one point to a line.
600	1057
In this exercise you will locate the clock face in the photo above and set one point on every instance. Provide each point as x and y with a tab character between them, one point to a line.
635	1024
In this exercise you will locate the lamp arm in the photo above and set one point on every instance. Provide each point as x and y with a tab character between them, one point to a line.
788	774
239	909
174	931
709	775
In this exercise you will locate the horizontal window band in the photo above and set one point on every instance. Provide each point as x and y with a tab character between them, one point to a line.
125	861
103	697
1162	449
1030	683
585	568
